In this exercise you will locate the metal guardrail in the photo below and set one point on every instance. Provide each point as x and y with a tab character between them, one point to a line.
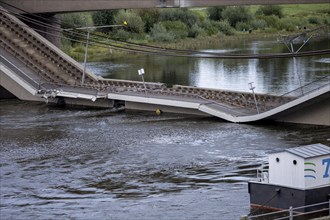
292	212
308	88
21	74
43	88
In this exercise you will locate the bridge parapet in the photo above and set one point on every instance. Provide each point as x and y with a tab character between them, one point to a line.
234	98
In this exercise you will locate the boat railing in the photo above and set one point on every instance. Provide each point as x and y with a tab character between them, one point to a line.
317	209
263	175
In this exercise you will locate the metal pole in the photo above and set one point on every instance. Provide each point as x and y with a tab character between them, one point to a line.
304	44
141	73
254	96
292	50
85	60
291	213
145	88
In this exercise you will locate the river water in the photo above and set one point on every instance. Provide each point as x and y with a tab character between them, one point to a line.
271	76
94	164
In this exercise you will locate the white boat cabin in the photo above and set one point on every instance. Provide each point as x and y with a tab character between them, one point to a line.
303	167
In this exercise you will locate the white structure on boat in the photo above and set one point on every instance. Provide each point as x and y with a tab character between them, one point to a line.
301	167
297	177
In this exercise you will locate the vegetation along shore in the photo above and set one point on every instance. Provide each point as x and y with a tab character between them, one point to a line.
193	28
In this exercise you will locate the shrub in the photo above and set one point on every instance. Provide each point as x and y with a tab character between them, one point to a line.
272	21
326	20
177	28
214	13
184	15
150	17
243	26
104	18
194	31
134	21
314	20
235	14
159	33
209	27
224	27
260	24
268	10
286	24
73	20
122	35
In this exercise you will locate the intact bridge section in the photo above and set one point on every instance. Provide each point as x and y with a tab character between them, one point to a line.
31	68
62	6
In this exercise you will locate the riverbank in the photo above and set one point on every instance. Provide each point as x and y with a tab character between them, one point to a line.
104	53
197	28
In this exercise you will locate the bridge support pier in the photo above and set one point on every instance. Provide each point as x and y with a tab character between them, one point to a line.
51	31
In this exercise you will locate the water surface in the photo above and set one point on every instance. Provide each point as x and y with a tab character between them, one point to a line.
93	164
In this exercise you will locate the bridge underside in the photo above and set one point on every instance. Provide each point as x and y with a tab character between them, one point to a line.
62	6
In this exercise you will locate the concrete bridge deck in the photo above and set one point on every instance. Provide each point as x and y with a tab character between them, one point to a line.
34	69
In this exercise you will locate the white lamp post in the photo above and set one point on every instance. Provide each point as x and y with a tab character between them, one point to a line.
254	96
141	73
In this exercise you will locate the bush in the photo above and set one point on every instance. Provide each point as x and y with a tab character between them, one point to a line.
214	13
209	27
260	24
269	10
184	15
150	17
314	20
74	20
326	20
134	21
177	28
224	27
243	26
159	33
235	14
272	21
104	18
194	31
286	24
122	35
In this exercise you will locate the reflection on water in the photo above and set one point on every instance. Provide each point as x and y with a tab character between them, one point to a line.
92	164
273	76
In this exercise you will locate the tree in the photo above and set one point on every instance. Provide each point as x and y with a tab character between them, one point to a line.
214	13
150	17
104	18
235	14
184	15
134	21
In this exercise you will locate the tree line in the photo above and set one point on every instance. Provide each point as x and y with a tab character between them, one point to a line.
168	25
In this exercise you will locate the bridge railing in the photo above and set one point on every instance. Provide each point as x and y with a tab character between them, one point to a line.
36	85
309	87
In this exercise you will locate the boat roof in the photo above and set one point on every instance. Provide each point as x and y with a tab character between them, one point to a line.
309	151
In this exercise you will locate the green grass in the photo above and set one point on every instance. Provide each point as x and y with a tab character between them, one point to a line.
303	9
298	9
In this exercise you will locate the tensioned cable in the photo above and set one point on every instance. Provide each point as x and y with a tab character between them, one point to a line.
164	51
